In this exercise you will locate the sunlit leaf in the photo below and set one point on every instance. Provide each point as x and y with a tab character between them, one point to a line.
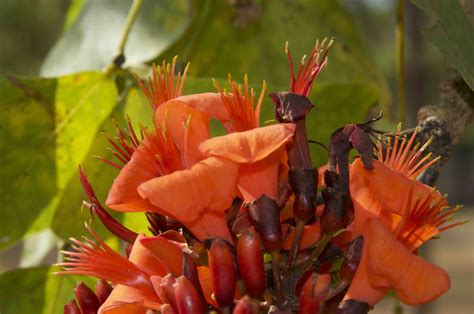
91	42
452	34
47	129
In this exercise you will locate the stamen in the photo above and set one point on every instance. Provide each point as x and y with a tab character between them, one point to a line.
100	261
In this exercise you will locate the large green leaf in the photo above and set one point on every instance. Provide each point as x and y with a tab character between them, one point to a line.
225	38
90	43
37	290
48	127
452	34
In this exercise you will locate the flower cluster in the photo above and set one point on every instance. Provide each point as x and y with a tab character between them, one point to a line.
244	223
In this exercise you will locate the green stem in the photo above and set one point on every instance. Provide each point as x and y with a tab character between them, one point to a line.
119	58
400	58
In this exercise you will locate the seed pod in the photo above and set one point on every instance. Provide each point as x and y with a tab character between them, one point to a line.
246	306
88	302
187	299
223	272
72	308
251	265
103	289
265	215
313	294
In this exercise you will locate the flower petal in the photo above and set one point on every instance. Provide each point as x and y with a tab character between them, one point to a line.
311	235
125	300
145	259
188	128
249	146
123	195
185	194
209	103
210	225
415	280
167	251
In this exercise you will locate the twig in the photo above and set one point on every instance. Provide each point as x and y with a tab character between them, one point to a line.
400	58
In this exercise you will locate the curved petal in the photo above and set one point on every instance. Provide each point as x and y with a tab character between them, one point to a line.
260	177
208	103
249	146
145	259
208	184
167	251
384	189
123	195
125	300
210	225
414	280
204	274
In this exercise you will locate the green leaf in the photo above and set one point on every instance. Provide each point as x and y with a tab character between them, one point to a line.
225	38
37	290
48	127
452	34
90	43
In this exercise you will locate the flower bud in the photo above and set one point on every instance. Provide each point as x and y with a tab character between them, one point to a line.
223	272
304	183
166	290
246	306
338	212
251	265
102	290
191	273
353	307
71	308
88	302
265	215
353	256
331	179
187	299
290	107
313	294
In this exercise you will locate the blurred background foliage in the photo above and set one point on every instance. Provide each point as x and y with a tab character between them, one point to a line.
56	100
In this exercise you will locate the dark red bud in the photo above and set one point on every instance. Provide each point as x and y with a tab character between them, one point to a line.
251	264
290	107
338	212
72	308
242	222
353	256
191	273
223	272
187	299
86	298
265	215
96	207
304	183
166	290
103	289
361	141
246	306
353	307
331	179
313	294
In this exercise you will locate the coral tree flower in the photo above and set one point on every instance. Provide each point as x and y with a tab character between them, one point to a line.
396	215
150	259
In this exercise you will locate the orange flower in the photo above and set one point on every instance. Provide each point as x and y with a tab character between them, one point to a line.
134	292
396	215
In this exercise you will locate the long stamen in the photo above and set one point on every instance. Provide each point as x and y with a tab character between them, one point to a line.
100	261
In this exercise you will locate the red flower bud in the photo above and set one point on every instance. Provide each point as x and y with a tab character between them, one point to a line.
223	272
313	294
265	215
304	183
71	308
338	212
102	290
251	265
88	302
246	306
187	299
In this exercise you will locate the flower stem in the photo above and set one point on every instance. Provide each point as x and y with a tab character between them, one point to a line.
317	251
400	58
277	277
295	246
119	58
